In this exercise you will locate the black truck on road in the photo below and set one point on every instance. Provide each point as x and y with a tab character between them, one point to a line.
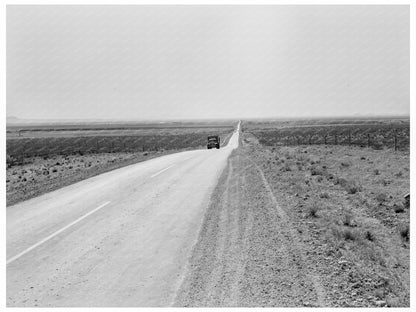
213	142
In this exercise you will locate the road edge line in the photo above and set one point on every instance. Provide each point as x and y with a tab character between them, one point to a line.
54	234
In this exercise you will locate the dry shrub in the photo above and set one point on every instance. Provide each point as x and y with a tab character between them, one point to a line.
316	171
10	161
386	182
378	146
407	202
341	181
302	158
350	234
373	253
330	176
369	235
324	195
352	187
348	220
286	167
346	233
398	208
404	232
313	210
381	198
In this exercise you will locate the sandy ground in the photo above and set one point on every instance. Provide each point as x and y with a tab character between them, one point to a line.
260	244
248	253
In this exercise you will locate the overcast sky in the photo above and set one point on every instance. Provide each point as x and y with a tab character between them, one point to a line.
160	62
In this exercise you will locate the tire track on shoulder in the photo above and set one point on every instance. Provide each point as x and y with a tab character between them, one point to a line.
297	245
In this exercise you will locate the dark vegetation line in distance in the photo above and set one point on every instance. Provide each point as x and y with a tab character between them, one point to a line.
334	125
77	128
20	149
378	134
334	118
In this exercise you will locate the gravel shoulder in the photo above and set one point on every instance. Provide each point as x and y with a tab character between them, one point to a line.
279	234
248	253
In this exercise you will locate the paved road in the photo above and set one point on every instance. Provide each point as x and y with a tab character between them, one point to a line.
118	239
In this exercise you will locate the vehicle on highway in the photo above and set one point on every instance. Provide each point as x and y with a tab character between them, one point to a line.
213	142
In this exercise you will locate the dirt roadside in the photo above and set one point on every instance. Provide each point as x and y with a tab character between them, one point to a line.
258	247
40	176
248	252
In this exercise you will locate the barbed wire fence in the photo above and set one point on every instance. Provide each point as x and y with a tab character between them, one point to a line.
397	139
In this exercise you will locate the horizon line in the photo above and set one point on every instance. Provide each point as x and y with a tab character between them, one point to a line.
205	118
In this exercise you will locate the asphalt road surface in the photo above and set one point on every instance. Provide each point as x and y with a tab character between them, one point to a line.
118	239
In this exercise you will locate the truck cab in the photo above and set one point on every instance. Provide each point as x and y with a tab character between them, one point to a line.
213	142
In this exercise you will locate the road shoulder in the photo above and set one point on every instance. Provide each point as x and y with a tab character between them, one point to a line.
247	253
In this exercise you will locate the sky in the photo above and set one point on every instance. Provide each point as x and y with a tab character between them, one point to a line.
195	62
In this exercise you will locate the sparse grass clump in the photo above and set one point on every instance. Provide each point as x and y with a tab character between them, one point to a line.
10	161
324	195
386	182
407	202
313	210
348	220
369	235
350	234
398	208
316	171
404	232
329	176
346	234
286	167
352	187
341	181
399	174
381	198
